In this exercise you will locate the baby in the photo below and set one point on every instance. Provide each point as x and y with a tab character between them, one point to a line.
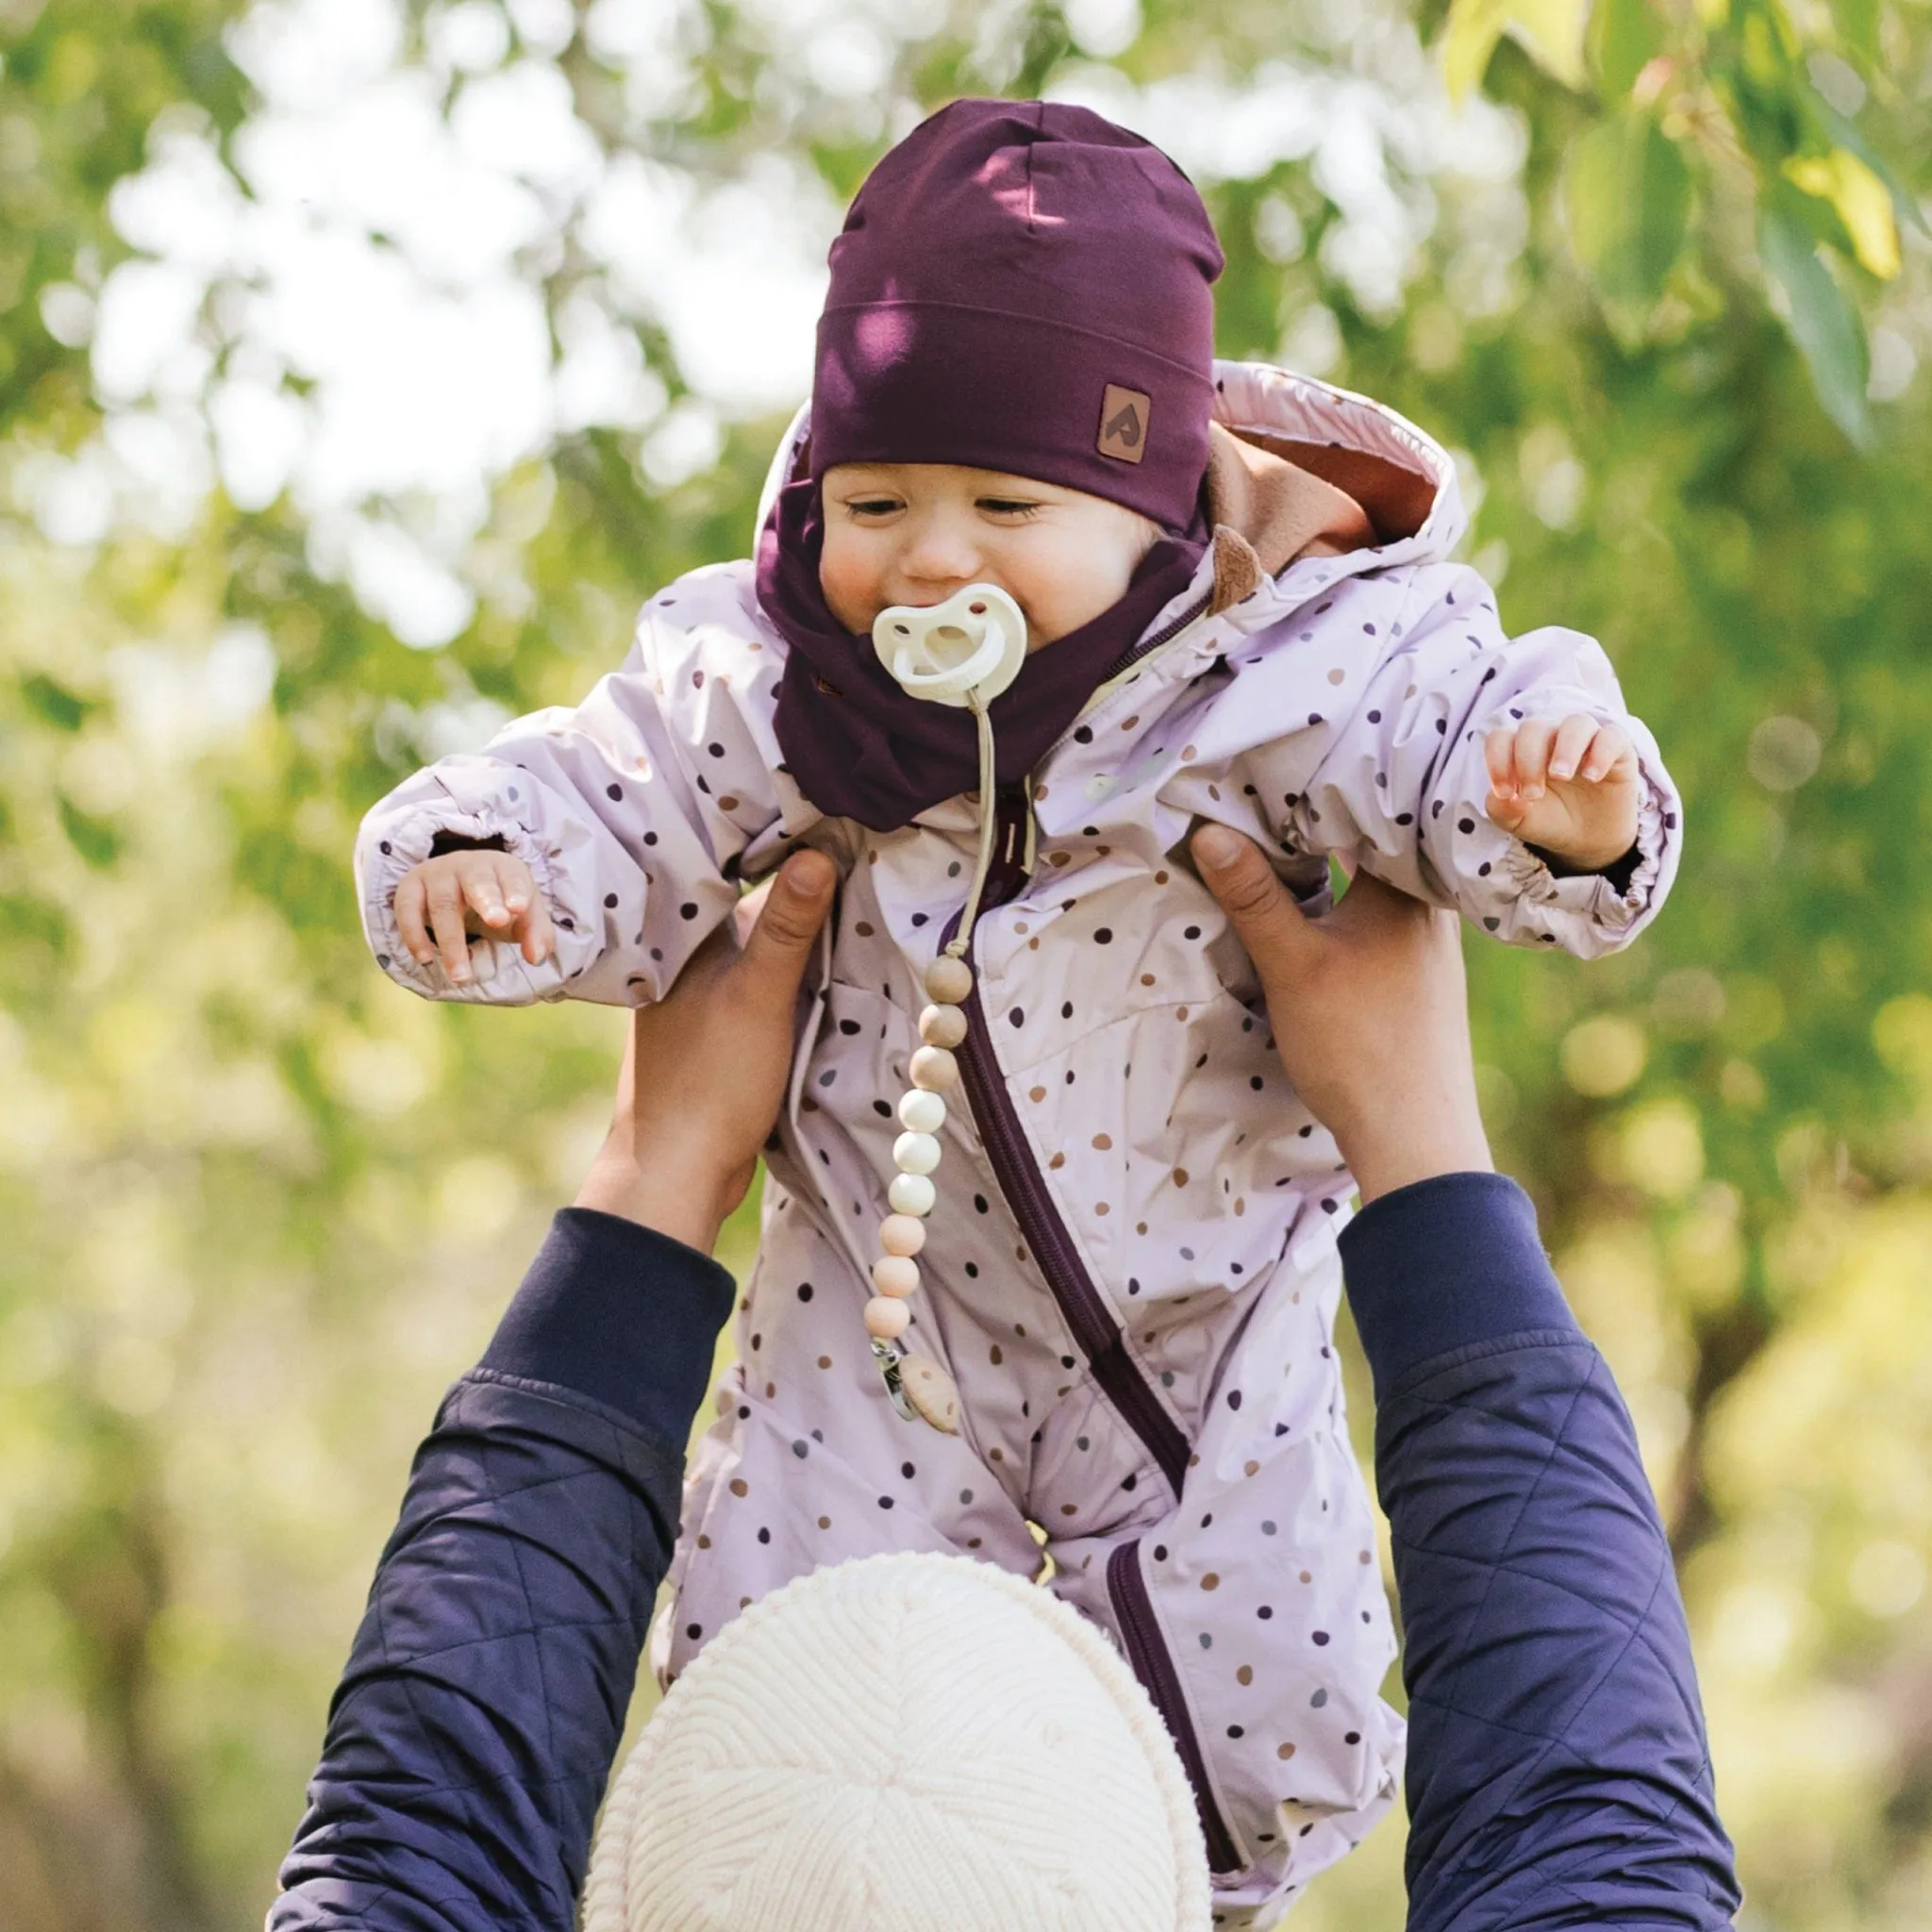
1238	607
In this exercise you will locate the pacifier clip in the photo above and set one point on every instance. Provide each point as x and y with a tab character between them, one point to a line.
963	652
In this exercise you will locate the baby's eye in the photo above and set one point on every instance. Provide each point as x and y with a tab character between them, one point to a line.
1019	508
873	506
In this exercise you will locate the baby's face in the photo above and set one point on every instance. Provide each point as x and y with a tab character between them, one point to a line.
914	533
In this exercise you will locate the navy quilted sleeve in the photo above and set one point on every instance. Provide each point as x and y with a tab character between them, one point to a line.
1558	1774
472	1732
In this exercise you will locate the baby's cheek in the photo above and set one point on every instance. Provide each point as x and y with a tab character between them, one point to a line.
847	589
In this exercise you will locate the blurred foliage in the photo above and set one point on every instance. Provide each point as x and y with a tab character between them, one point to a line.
259	1206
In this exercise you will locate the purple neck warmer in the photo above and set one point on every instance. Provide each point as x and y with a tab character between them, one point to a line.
859	747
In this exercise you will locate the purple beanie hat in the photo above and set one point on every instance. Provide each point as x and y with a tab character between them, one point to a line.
1023	286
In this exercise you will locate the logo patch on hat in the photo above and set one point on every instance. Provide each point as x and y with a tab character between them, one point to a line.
1124	418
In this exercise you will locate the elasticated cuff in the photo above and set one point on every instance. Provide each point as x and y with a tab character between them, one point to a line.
1444	1264
621	1313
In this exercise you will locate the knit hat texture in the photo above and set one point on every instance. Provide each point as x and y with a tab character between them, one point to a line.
1023	286
903	1743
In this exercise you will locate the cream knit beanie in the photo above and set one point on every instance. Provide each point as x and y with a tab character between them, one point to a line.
903	1743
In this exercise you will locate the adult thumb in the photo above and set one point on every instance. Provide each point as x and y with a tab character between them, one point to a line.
1269	922
793	910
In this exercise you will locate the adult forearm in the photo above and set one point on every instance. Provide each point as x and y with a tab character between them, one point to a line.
1558	1762
472	1732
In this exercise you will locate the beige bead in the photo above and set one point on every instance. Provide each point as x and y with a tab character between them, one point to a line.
899	1234
912	1194
935	1069
896	1275
948	980
887	1319
932	1392
942	1025
921	1112
915	1153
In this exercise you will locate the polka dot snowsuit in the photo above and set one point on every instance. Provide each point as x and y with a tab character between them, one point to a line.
1131	1270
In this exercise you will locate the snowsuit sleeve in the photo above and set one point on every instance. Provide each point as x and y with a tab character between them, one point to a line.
474	1729
1401	783
635	814
1558	1773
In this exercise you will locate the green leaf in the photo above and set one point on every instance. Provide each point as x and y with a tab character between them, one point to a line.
1622	38
1627	193
64	709
1469	38
1823	323
1863	204
95	840
1550	31
1844	132
1858	25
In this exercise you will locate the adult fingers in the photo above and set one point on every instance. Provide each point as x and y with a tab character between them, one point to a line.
788	922
1574	738
1531	756
1374	905
445	894
1269	922
1610	751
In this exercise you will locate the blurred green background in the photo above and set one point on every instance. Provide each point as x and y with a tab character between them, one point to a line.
361	367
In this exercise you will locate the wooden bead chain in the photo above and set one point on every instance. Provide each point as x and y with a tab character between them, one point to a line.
918	1387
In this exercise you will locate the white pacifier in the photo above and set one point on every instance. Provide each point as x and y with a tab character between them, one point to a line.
970	648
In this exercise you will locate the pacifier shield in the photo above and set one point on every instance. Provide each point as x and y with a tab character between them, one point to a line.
968	648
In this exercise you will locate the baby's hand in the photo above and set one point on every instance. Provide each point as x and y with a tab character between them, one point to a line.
1568	789
483	892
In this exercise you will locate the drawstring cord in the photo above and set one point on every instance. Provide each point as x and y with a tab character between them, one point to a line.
989	825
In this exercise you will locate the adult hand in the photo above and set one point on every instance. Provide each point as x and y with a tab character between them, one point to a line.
704	1070
1369	1012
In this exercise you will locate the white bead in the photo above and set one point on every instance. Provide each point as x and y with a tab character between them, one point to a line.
887	1319
935	1069
896	1275
922	1112
899	1234
915	1154
942	1025
912	1194
948	980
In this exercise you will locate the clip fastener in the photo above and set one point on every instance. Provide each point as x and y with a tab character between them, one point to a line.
888	1357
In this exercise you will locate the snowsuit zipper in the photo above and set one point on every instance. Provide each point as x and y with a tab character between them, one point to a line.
1098	1334
1140	1632
1100	1337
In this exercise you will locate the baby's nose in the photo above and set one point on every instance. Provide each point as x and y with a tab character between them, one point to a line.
938	553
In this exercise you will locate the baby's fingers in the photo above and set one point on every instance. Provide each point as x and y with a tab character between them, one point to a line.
1507	809
1573	738
481	890
513	882
410	905
534	928
1498	755
1531	756
445	897
1610	755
